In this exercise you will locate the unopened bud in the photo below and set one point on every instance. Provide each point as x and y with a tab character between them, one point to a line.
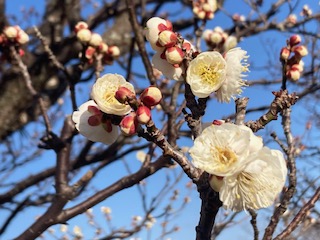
114	51
300	50
103	47
151	96
294	40
90	52
122	94
129	124
201	14
22	37
293	74
143	114
84	35
298	67
80	25
216	37
284	53
174	55
167	38
95	40
215	182
10	32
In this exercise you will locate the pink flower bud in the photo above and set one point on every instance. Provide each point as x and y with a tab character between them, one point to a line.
174	55
80	25
151	96
300	50
298	67
293	74
95	40
284	53
294	40
84	35
123	94
167	38
10	32
90	52
129	124
143	114
103	47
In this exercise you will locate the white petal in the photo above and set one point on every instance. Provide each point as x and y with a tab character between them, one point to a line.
166	68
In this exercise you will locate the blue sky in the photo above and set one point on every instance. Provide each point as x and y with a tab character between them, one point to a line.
127	203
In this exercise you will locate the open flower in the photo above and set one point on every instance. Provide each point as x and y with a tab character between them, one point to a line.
103	93
258	184
206	73
236	65
222	150
246	174
90	123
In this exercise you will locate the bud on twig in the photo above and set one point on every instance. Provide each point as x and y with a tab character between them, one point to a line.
151	96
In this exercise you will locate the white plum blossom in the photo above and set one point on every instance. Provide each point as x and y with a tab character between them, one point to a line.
246	174
206	73
103	93
90	123
222	150
235	66
258	184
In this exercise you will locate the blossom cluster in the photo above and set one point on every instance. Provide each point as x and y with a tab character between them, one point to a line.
99	119
294	63
246	174
219	40
204	9
13	35
94	44
207	72
171	49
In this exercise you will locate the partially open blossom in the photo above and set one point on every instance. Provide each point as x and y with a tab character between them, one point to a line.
294	40
246	174
167	69
95	40
154	26
284	53
80	25
123	93
90	123
11	32
143	114
235	66
84	35
206	73
129	124
151	96
103	92
300	50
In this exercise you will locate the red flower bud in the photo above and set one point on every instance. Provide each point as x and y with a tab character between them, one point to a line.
151	96
143	114
294	40
129	124
122	94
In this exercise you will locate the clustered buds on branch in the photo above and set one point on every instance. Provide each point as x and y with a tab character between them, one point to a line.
204	9
12	36
294	64
219	40
94	45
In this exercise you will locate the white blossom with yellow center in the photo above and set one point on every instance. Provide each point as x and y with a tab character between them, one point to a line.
222	150
206	73
236	65
103	93
258	184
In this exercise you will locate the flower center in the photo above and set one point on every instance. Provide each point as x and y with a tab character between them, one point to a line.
210	73
109	97
225	156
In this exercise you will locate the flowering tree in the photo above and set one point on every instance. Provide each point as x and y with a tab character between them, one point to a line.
134	79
